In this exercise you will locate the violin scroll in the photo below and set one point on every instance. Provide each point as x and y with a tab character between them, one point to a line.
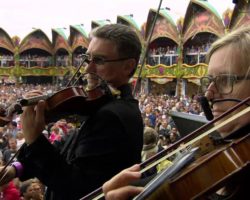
6	115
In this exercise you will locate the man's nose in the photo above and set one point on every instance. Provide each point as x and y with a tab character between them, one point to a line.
90	67
211	90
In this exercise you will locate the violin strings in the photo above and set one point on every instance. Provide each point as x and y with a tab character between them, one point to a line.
246	110
199	130
76	72
77	79
99	196
6	171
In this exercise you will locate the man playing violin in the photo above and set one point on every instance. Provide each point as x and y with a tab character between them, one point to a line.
226	84
109	140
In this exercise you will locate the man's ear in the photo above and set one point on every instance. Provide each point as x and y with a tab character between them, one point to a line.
130	66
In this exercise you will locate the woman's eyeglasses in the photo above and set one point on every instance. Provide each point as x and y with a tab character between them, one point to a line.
99	60
223	83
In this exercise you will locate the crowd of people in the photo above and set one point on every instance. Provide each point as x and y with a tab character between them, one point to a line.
11	92
11	140
168	55
61	159
162	55
28	60
35	60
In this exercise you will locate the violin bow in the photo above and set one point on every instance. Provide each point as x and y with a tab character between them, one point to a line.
147	47
3	172
76	72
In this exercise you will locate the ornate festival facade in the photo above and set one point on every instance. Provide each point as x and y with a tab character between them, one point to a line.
174	63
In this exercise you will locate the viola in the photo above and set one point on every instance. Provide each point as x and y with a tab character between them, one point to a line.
80	100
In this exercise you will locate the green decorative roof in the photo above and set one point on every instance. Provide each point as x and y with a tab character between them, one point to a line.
209	8
60	31
8	37
46	41
205	4
239	15
164	13
130	20
31	33
99	23
80	29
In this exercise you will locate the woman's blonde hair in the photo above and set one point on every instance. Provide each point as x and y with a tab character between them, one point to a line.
239	40
150	136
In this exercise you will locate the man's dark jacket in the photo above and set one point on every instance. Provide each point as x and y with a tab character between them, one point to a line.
109	141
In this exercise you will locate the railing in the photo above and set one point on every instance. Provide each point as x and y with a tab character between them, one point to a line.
166	59
170	59
194	58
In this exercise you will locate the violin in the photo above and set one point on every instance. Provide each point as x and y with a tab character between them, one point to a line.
83	101
187	140
206	175
75	100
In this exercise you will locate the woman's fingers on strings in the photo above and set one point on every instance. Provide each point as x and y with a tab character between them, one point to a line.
33	93
3	173
125	177
6	175
28	111
135	167
40	111
123	193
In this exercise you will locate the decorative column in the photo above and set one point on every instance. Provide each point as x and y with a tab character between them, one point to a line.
16	70
179	72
